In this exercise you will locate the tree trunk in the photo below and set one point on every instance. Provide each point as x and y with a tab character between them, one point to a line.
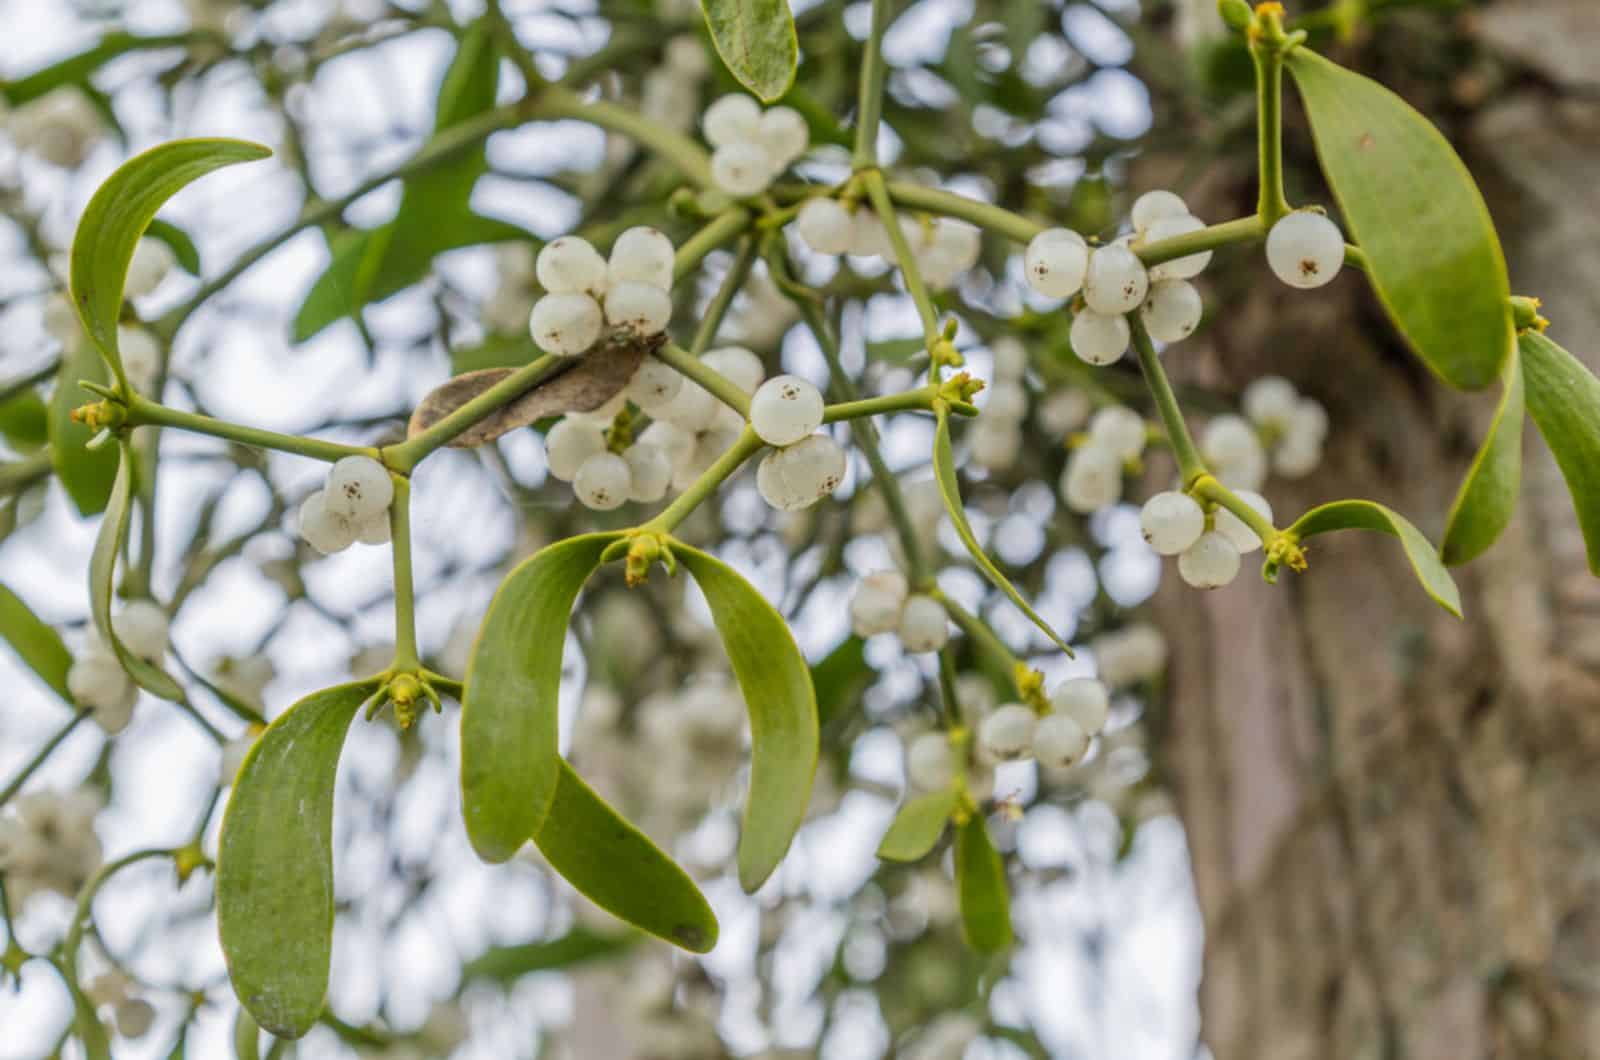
1394	817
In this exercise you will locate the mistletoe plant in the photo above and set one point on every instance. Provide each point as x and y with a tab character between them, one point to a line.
630	416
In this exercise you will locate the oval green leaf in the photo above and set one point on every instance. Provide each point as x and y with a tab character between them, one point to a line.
184	252
918	826
1488	497
108	545
509	760
619	869
275	861
86	474
118	215
35	642
757	43
981	887
944	470
1412	207
776	684
1564	398
1367	515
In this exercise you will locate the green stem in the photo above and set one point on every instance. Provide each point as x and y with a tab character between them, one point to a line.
869	101
919	400
704	486
883	206
995	219
1190	465
686	155
80	914
720	386
144	412
411	452
406	659
1208	488
978	630
1240	230
1267	40
40	757
717	311
726	225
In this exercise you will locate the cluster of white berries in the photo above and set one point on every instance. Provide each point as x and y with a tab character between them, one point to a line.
943	247
752	146
1208	544
61	127
352	506
1059	263
1093	477
1292	427
585	292
48	843
997	436
1129	655
1013	731
669	95
97	680
884	603
133	1015
804	465
1305	249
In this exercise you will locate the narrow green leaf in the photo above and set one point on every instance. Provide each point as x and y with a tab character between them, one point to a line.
77	69
86	474
1564	397
35	642
1366	515
25	421
776	684
1488	497
117	216
1412	207
944	470
108	545
506	964
275	861
246	1036
618	868
757	42
840	677
981	886
917	827
184	252
509	761
495	351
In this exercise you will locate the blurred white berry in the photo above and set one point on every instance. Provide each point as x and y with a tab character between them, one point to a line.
732	119
1119	430
326	531
953	248
653	385
673	441
1184	268
924	626
1007	733
1126	656
358	488
1235	453
825	226
1056	262
1210	563
603	482
96	679
996	444
1270	401
1157	205
1007	400
641	255
1234	529
1116	281
1172	311
1092	480
1305	249
571	442
1098	338
143	628
1085	700
785	409
650	472
868	237
686	55
565	324
742	367
571	265
741	169
1171	522
930	763
1059	742
152	260
1065	411
141	357
1297	457
783	134
878	601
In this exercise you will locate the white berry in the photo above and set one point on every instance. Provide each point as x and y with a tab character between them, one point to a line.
825	226
785	409
570	265
565	324
1098	338
603	482
800	475
1157	205
1056	262
1059	742
1171	522
1092	480
1233	450
358	488
1172	311
1116	281
650	472
1270	401
930	763
1119	430
152	260
641	255
741	169
325	531
141	356
653	385
1210	563
374	530
1305	250
1007	733
924	626
641	308
783	133
732	119
1085	700
570	443
878	601
740	365
1184	268
1234	529
143	629
96	679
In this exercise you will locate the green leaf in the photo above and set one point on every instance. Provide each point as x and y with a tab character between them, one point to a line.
944	470
757	42
506	964
25	421
1366	515
509	761
1412	207
618	868
776	684
275	861
1564	397
108	545
246	1036
117	216
981	886
1488	497
840	678
184	252
35	642
918	826
86	474
495	351
76	69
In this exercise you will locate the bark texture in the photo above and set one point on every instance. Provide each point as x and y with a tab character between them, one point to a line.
1394	817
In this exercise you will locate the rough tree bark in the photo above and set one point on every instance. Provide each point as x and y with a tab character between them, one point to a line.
1394	817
